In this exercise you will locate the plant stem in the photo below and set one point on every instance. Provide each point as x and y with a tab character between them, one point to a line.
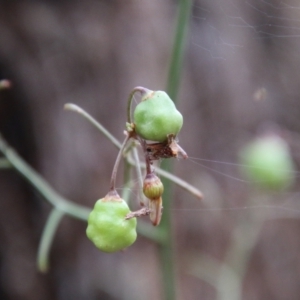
140	89
47	239
62	204
233	270
178	181
116	166
176	63
183	184
137	165
79	110
166	251
127	181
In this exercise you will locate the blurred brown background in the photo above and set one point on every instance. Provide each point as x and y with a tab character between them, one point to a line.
241	72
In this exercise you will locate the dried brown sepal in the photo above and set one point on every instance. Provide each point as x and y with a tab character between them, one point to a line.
177	150
112	196
155	210
167	149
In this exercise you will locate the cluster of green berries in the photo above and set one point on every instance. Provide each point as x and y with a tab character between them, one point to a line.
155	118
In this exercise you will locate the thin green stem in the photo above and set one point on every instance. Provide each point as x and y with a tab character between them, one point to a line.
41	185
140	89
116	166
47	239
178	181
181	33
127	181
137	165
204	267
174	74
79	110
147	159
236	261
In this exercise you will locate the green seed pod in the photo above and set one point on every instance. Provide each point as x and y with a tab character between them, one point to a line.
153	187
156	117
269	162
107	227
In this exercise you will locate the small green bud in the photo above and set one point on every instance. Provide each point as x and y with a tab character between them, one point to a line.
153	187
156	117
107	227
269	162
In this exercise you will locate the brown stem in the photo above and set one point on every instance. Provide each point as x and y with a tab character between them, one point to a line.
145	211
147	159
116	166
140	89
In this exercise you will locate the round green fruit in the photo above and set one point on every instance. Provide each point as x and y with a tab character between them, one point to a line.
107	227
268	163
156	116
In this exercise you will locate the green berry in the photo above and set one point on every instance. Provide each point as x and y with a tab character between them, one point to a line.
107	227
156	116
269	163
